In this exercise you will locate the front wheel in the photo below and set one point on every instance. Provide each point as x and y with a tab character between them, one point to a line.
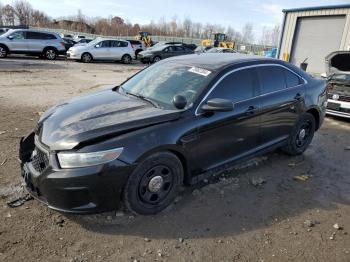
50	54
156	59
86	58
301	136
3	52
154	184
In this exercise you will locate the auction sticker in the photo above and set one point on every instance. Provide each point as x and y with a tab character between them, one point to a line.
199	71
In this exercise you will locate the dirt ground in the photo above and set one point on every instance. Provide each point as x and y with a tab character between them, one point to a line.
225	219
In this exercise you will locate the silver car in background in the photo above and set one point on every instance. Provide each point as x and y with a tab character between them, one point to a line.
102	49
31	42
338	72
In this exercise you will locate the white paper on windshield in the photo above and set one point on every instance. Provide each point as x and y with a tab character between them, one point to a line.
199	71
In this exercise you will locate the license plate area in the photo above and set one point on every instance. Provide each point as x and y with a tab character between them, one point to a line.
333	106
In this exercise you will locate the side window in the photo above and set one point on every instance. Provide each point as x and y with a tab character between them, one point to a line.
123	44
18	35
179	48
271	78
292	79
237	86
49	37
115	43
105	44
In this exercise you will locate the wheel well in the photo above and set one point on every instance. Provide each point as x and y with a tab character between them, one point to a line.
127	55
183	160
5	46
316	115
50	47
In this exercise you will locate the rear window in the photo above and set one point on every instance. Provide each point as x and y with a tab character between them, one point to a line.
291	79
271	78
39	36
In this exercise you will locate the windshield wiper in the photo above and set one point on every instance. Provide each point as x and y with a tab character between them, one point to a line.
153	103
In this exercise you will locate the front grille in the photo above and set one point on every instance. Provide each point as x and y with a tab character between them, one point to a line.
39	160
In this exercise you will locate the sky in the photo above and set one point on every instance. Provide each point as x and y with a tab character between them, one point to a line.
224	12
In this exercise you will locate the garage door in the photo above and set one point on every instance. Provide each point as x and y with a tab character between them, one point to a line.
316	37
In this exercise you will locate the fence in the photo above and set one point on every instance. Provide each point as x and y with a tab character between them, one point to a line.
245	48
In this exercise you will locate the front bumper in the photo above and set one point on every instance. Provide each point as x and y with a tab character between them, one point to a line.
338	108
80	190
145	59
74	56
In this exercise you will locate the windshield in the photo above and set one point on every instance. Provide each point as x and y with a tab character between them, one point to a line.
214	50
161	82
95	41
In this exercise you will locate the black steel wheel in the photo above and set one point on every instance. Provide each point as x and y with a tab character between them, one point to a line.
154	184
301	136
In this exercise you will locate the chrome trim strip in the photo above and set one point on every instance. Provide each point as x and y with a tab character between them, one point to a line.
246	67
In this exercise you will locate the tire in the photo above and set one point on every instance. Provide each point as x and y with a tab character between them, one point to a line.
301	136
154	184
50	53
156	59
126	59
3	52
86	58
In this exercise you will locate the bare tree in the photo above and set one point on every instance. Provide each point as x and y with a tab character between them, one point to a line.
269	36
23	10
8	15
187	27
247	33
173	25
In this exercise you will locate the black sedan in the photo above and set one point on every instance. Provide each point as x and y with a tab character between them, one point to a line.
155	54
175	122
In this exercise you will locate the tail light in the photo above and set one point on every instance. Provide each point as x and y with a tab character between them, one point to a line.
133	47
62	43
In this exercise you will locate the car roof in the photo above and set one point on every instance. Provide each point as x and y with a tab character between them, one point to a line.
36	31
219	61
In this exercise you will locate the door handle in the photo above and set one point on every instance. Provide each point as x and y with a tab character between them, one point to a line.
298	97
250	110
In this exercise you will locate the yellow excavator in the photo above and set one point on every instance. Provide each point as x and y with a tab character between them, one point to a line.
220	40
145	37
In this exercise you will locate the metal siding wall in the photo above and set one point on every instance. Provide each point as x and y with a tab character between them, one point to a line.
291	22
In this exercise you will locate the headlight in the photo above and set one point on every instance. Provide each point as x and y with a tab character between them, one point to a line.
73	160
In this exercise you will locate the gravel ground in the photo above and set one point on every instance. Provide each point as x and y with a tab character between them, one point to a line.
256	211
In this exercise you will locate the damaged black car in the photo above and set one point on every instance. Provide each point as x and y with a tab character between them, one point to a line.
173	123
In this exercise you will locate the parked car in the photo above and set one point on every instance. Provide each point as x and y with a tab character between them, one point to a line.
102	49
138	46
67	36
3	30
174	122
189	46
68	43
338	71
220	50
161	52
83	41
77	37
202	49
31	42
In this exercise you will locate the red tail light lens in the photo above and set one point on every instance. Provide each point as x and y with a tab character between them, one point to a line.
62	43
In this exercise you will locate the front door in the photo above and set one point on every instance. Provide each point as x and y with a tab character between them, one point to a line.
102	50
18	43
225	136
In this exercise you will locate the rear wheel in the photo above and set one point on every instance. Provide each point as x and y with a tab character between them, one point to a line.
126	59
86	58
301	136
154	184
3	52
50	53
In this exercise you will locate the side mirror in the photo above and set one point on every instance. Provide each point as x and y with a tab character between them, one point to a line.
10	37
179	101
218	105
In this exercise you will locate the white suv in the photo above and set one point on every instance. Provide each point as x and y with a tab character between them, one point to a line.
102	49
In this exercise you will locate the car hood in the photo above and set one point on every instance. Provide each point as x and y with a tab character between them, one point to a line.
338	63
96	116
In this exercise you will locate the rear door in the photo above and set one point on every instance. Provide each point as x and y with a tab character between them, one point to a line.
224	136
18	43
36	41
168	52
282	94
